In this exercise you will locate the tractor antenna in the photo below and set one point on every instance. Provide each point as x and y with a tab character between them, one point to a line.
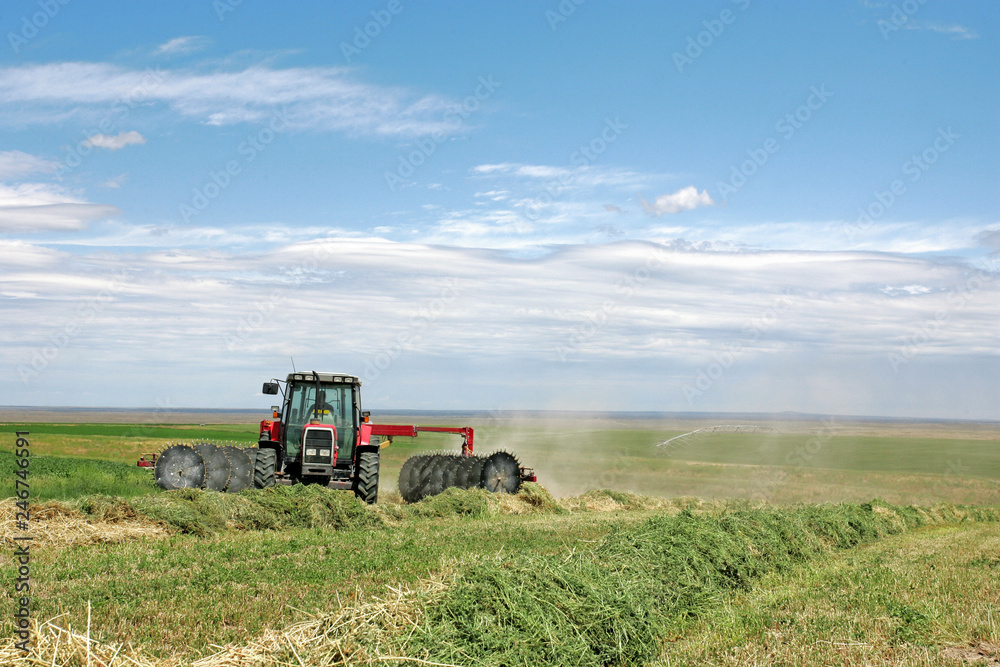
293	364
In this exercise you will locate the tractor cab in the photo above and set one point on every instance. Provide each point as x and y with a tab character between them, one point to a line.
316	427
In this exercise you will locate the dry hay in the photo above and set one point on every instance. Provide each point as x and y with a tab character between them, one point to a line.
356	633
57	646
606	500
54	524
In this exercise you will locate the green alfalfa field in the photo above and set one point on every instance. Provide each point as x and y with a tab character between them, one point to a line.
832	542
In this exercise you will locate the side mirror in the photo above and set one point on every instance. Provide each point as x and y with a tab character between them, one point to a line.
270	388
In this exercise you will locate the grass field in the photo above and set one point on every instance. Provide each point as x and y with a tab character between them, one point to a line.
171	576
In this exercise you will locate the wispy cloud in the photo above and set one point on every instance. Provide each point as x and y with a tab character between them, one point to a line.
685	199
38	207
17	164
113	143
182	45
953	30
323	98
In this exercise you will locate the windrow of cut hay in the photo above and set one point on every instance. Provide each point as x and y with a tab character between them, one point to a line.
107	519
612	605
197	512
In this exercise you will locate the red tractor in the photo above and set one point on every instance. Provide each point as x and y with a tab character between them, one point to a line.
319	435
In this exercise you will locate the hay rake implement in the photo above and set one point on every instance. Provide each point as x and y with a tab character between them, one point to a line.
320	435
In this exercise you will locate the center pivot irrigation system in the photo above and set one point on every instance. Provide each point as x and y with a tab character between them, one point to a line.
685	439
320	435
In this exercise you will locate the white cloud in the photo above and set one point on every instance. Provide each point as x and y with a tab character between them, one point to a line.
113	143
35	207
613	306
685	199
325	98
954	30
115	182
16	164
182	45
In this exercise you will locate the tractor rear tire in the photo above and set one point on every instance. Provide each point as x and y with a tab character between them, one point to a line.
264	464
366	483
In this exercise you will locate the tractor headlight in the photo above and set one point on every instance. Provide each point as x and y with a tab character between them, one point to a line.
310	452
324	452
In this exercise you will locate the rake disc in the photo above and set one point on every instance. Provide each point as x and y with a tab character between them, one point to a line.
423	474
453	467
434	482
217	467
473	470
501	473
408	478
180	467
241	469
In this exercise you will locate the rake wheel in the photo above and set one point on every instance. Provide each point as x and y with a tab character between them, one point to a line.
241	469
217	466
180	467
501	473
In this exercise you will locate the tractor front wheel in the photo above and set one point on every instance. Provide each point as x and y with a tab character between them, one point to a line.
366	479
264	464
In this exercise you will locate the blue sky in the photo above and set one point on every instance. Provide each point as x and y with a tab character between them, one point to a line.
728	206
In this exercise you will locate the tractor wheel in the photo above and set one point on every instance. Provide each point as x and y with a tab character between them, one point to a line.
366	481
501	473
264	464
408	478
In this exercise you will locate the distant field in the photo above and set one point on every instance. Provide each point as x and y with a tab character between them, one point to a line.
802	461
